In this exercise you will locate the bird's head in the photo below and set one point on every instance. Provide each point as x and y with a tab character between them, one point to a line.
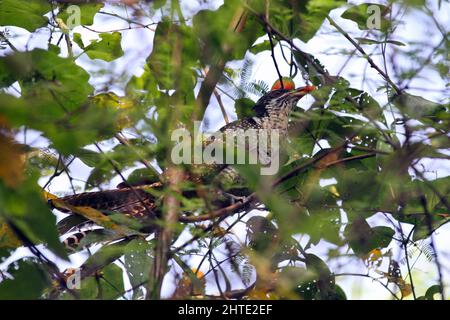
280	100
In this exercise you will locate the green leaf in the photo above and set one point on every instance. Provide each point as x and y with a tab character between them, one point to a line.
171	42
107	49
25	14
143	175
362	103
55	99
32	218
324	281
87	13
244	108
363	239
90	158
360	192
28	283
158	4
417	107
372	41
78	40
111	282
382	236
313	15
261	233
310	64
8	240
89	288
103	257
431	291
361	16
138	261
218	39
263	46
69	223
100	174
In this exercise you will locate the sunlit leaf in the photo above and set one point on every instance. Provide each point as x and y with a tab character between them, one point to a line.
25	14
108	48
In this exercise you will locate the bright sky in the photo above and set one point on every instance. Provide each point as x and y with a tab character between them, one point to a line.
137	44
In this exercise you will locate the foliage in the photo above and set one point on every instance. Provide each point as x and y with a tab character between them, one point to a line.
352	156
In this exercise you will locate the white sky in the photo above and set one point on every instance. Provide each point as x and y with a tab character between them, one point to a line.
137	44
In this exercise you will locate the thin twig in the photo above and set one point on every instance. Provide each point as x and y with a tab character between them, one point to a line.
361	50
123	140
222	107
370	277
429	222
273	56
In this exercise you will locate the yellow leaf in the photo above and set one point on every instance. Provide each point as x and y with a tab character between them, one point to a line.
334	191
374	255
11	162
94	215
8	240
64	28
405	289
49	196
190	284
111	100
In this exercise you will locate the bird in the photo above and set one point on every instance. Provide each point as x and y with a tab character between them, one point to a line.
271	111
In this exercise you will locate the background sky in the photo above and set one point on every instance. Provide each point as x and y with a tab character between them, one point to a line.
327	46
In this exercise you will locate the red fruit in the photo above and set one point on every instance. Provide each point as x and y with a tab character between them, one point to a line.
288	84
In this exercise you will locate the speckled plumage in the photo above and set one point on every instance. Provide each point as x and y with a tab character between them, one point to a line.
272	112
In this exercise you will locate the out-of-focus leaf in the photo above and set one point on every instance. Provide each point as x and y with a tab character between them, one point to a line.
142	175
103	257
158	4
32	218
89	288
359	191
138	261
261	233
373	41
263	46
417	107
95	216
244	108
28	282
89	157
227	33
46	76
366	18
363	239
431	291
87	13
54	99
313	14
311	66
107	49
8	240
111	282
11	162
361	102
323	285
25	14
174	55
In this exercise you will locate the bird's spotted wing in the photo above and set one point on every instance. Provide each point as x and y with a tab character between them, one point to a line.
133	202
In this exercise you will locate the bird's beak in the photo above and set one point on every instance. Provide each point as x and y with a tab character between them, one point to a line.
303	90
